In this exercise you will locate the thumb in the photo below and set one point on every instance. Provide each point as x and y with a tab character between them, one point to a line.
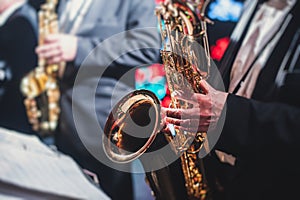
204	86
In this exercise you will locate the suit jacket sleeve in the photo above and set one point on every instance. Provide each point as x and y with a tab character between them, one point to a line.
135	47
253	128
18	40
18	30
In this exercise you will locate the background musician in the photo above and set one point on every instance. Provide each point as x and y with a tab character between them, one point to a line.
18	39
84	25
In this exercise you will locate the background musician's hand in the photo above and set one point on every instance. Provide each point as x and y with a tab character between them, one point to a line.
58	48
206	111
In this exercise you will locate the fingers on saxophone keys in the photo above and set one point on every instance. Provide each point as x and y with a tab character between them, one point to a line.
55	59
48	50
183	113
45	47
185	96
175	113
191	125
166	130
202	128
52	37
178	122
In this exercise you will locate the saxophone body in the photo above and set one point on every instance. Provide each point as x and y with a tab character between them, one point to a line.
186	59
40	86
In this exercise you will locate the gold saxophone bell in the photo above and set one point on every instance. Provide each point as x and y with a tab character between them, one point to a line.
137	112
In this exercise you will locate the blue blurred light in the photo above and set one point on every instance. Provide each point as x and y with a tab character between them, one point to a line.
225	10
156	85
158	89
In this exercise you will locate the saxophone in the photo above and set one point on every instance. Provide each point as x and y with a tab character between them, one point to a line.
182	27
40	86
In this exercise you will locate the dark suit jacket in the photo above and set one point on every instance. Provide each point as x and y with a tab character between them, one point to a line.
106	52
18	39
263	132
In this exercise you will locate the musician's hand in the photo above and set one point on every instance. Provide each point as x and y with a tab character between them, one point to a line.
206	111
58	48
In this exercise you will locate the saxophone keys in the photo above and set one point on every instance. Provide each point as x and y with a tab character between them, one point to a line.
45	125
52	125
52	106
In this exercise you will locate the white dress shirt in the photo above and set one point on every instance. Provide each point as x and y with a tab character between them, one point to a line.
73	15
268	20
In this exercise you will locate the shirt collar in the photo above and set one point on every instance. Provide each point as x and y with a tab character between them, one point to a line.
9	11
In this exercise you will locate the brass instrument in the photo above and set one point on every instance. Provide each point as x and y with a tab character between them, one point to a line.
40	86
183	31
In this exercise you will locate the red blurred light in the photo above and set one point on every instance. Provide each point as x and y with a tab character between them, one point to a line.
140	76
159	1
218	50
166	101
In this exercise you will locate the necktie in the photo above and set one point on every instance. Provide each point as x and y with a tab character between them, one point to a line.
243	61
70	15
73	15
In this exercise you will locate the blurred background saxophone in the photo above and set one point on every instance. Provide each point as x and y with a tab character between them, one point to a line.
186	59
40	86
